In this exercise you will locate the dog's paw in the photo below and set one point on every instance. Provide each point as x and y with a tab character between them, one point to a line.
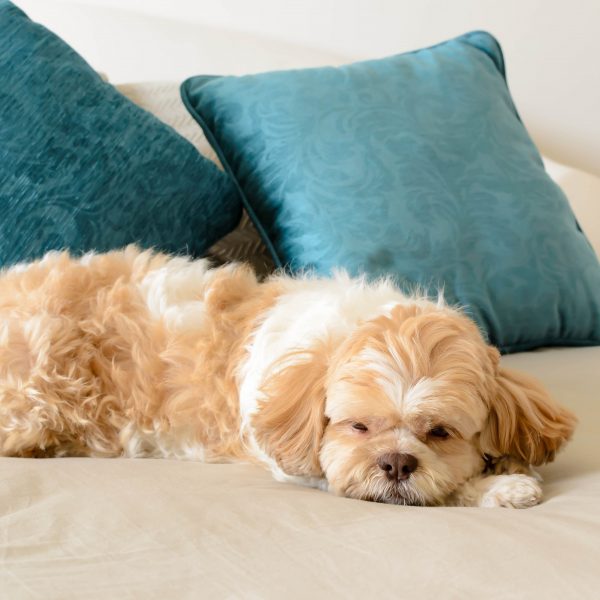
513	491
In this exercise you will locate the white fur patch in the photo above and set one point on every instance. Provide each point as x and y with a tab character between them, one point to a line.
415	394
175	293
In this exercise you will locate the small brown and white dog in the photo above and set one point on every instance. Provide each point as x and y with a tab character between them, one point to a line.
352	387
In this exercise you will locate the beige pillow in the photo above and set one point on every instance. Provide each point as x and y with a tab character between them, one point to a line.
583	191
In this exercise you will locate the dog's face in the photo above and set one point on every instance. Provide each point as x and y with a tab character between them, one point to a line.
405	403
405	409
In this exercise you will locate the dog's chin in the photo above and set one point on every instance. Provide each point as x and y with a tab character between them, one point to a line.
401	493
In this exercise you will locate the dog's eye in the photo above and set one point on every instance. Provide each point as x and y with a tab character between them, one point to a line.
359	427
439	432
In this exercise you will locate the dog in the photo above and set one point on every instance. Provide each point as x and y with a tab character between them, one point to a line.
339	383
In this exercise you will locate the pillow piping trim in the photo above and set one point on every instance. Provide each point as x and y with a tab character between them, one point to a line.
216	146
551	343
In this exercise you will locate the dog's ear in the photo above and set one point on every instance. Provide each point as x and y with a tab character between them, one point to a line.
524	421
290	420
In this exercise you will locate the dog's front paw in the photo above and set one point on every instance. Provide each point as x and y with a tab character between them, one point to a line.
513	491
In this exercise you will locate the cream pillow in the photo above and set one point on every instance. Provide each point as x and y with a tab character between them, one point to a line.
583	191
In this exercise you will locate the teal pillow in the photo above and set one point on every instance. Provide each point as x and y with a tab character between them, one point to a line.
415	166
82	168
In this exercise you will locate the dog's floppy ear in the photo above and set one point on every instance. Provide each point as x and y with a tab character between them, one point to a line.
524	421
290	420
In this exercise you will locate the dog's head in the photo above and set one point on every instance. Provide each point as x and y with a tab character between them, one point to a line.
404	410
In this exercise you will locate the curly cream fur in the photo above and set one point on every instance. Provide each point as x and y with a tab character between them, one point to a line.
87	369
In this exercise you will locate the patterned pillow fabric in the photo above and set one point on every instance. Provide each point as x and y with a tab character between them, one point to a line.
83	168
415	166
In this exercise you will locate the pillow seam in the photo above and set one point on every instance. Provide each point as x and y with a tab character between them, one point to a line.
217	147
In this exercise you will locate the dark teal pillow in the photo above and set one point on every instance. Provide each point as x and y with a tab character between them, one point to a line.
83	168
416	166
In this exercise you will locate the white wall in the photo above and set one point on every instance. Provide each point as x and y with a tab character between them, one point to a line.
551	46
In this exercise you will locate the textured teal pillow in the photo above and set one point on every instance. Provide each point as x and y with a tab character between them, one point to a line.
417	166
83	168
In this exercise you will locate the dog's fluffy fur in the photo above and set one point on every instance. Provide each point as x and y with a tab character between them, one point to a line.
139	354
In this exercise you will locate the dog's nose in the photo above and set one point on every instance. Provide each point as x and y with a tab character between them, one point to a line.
398	466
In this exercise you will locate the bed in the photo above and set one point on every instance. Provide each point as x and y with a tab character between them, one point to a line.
98	528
